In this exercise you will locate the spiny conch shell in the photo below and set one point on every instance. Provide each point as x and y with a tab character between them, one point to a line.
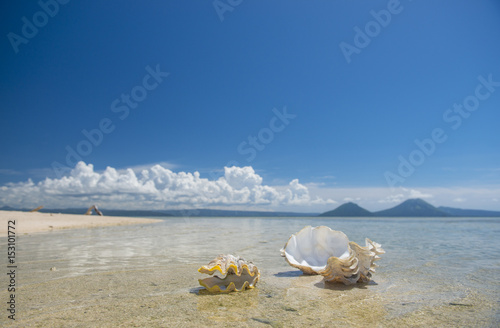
229	273
324	251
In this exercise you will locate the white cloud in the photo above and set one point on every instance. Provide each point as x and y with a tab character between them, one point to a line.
158	187
140	168
155	187
241	177
417	194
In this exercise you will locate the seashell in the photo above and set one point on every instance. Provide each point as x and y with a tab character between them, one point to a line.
328	252
229	273
310	248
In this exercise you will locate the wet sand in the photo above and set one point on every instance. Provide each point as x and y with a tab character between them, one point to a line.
27	222
149	298
146	276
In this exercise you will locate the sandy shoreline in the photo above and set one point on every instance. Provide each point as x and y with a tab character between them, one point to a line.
27	222
147	276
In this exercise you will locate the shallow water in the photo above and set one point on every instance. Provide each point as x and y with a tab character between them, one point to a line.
436	272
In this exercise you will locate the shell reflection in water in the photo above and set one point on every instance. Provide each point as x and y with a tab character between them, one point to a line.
229	273
327	252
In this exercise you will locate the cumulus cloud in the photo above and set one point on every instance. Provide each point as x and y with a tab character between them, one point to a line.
155	187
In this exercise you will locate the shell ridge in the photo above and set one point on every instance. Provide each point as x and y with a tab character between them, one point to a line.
229	273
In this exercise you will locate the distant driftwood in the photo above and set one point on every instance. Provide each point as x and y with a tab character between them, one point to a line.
37	209
96	210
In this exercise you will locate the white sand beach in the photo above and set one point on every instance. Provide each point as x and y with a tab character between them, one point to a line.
27	222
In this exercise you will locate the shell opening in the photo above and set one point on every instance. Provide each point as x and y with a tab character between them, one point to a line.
312	247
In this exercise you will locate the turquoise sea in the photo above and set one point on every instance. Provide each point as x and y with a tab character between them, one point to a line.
436	272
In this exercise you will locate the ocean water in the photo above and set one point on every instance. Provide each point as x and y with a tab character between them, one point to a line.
436	272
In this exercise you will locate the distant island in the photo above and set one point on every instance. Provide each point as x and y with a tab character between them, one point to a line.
178	213
409	208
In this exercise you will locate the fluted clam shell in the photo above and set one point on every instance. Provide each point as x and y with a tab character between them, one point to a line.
229	273
324	251
358	267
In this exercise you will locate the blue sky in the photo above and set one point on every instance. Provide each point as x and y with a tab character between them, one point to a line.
353	115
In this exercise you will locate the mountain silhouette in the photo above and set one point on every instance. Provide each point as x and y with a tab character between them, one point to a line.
348	209
409	208
469	213
413	208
